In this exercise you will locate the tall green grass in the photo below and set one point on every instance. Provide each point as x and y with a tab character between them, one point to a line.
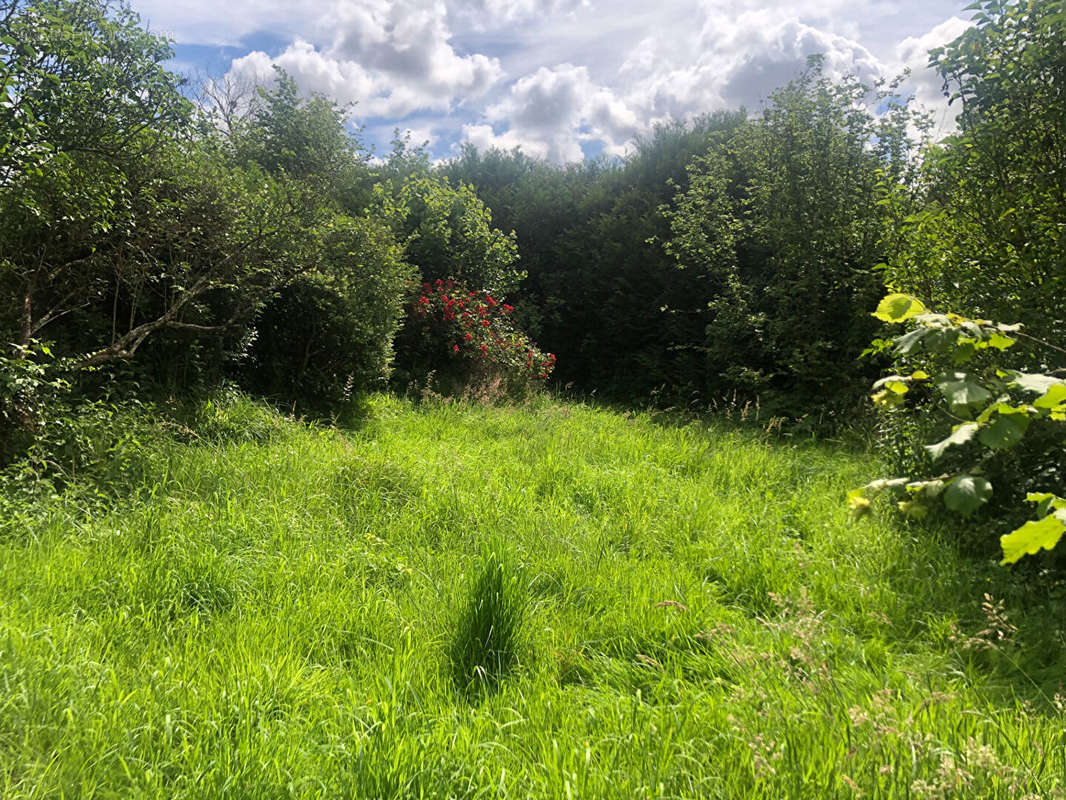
543	601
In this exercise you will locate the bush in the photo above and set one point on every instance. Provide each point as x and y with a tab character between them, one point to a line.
458	341
329	334
997	427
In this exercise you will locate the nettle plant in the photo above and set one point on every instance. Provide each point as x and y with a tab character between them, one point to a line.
991	406
475	327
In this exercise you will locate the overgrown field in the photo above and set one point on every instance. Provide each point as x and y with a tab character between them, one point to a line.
545	601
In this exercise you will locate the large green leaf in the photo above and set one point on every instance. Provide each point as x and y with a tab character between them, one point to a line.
962	391
899	308
1054	396
960	435
967	493
1006	431
1033	536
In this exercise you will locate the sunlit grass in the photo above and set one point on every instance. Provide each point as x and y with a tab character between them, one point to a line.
649	609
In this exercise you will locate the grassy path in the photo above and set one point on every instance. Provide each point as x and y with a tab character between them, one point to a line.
696	617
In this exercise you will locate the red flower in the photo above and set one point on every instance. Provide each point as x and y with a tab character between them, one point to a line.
469	336
455	349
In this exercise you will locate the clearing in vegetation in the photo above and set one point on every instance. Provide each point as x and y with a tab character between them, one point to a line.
550	600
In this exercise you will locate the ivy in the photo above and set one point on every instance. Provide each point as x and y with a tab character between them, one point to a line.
993	407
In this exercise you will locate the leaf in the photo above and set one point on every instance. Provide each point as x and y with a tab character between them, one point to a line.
1006	431
899	308
999	341
959	435
964	352
967	493
895	383
1054	396
961	391
928	489
1031	537
858	503
907	342
887	399
913	508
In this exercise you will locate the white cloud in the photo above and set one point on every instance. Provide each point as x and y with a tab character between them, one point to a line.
485	13
553	110
393	58
924	83
554	75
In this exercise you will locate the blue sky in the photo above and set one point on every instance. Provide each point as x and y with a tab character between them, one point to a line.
563	79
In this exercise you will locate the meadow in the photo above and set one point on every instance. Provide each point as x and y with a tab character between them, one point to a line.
546	600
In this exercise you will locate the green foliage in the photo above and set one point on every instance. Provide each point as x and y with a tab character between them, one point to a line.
33	386
781	225
328	334
84	79
130	227
447	232
986	237
990	405
601	292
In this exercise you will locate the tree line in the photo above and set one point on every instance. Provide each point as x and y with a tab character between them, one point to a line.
249	237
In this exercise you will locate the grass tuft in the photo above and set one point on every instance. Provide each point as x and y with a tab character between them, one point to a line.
488	633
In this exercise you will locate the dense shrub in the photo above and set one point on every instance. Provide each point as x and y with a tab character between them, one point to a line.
987	238
782	227
460	341
329	333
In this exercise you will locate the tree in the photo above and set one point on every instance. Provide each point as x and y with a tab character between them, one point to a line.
447	232
85	100
783	227
991	238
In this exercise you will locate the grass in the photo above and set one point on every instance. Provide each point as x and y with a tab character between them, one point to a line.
659	609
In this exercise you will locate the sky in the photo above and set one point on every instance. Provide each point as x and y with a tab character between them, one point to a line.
562	79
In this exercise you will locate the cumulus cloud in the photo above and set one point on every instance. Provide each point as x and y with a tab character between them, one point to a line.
737	62
550	112
731	53
924	83
555	75
484	13
393	58
724	63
